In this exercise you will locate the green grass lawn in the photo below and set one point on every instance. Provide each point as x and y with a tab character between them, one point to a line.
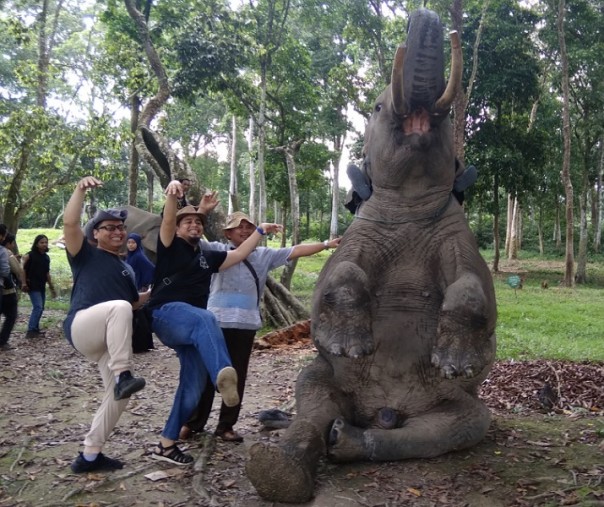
533	322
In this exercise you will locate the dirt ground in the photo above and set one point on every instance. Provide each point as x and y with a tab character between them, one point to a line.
531	456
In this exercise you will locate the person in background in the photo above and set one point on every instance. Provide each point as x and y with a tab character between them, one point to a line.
142	266
10	299
4	255
99	321
235	297
36	264
179	315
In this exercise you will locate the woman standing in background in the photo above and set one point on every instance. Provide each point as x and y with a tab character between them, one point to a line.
36	264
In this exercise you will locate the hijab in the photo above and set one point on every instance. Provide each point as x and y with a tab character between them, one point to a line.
142	266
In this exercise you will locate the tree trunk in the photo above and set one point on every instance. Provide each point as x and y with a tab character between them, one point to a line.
252	169
566	180
280	307
461	100
156	103
13	207
134	158
581	275
599	200
513	249
508	226
496	224
335	188
540	232
262	148
290	152
233	191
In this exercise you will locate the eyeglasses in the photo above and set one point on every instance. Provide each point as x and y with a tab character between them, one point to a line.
113	228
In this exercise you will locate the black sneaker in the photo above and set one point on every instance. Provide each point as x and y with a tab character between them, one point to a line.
127	385
102	462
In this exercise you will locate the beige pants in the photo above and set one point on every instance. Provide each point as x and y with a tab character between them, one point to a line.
103	334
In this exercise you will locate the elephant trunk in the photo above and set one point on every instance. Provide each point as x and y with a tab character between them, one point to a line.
417	79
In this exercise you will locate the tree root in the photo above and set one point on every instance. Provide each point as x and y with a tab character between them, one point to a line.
207	448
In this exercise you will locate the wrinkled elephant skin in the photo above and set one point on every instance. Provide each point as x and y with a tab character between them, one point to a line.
404	310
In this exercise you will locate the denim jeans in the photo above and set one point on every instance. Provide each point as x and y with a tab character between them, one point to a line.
38	300
197	339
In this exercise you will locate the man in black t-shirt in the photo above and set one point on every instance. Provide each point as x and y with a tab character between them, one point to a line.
99	321
179	316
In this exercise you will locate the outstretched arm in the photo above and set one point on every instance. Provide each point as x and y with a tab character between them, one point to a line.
72	230
248	246
304	250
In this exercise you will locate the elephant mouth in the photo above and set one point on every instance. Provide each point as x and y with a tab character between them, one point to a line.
417	122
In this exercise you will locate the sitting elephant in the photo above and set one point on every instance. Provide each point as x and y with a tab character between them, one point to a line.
404	312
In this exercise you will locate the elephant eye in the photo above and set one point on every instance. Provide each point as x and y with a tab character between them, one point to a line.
378	107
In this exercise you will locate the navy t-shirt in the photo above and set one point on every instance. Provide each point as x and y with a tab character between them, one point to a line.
98	276
192	287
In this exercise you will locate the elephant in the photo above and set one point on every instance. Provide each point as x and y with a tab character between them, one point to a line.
403	313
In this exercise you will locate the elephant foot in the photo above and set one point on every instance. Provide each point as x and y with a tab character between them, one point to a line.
457	361
277	476
346	443
343	324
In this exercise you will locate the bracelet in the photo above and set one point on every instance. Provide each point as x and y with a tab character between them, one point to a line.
261	231
326	244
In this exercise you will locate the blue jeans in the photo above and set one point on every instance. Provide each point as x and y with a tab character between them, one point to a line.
38	300
199	344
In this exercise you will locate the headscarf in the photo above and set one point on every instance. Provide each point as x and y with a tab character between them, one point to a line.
143	268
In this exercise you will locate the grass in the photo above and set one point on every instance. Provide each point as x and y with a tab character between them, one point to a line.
554	323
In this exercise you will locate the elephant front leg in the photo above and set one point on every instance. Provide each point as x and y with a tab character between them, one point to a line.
341	320
286	472
451	427
466	330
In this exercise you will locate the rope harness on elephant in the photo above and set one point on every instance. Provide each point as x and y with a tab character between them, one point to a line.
430	218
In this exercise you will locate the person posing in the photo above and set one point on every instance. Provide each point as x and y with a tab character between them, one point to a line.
36	264
142	266
10	299
99	320
179	315
235	297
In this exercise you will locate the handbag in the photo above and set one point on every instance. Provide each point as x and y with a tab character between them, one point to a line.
142	336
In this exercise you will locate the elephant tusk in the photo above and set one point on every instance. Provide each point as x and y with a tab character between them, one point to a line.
454	84
396	81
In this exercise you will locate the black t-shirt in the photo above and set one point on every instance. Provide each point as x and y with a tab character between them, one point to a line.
98	276
191	282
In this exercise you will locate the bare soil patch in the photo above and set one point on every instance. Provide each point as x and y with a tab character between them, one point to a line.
531	455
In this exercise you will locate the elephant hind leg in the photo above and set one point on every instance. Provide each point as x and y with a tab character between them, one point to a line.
451	427
286	473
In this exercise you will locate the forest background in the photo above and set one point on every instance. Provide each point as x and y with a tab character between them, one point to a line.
279	82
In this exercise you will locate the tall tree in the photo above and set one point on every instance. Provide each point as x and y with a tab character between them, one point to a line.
566	180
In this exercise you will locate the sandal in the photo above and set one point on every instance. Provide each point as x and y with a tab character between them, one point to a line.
172	454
